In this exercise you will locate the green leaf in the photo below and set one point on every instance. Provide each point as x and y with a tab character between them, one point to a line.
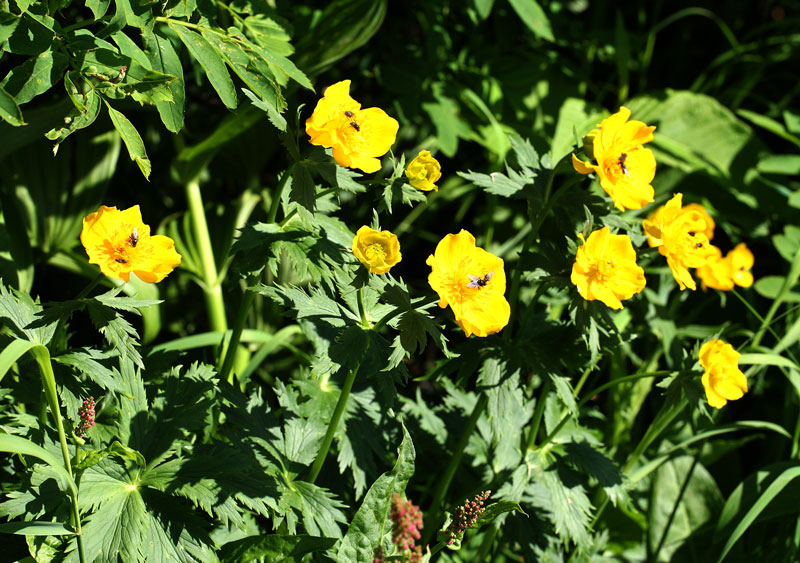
133	141
273	548
13	352
788	164
34	528
483	7
497	183
445	117
98	7
346	25
8	23
532	14
76	120
23	314
31	37
272	112
9	110
211	61
269	34
371	527
495	509
164	59
238	54
769	124
22	446
35	76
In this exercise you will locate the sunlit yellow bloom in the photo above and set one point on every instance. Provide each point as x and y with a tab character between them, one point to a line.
424	171
722	378
723	273
625	168
680	235
605	269
377	250
472	281
120	243
357	136
655	217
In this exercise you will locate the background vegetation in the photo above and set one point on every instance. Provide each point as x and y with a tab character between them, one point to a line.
593	421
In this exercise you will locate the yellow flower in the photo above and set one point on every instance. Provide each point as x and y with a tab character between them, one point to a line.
424	171
625	168
605	269
722	378
680	235
655	216
356	135
723	273
377	250
120	243
472	281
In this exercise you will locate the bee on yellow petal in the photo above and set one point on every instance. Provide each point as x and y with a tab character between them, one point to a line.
722	379
472	282
120	243
624	167
357	136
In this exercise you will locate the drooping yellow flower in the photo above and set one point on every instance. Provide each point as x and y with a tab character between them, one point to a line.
605	269
722	378
424	171
472	281
625	168
357	136
723	273
120	243
680	235
377	250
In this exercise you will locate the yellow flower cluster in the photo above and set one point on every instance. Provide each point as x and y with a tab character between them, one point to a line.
722	378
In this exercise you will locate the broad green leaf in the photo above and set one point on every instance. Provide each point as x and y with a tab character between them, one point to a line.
273	548
211	61
788	164
484	8
8	23
269	34
346	25
9	110
34	528
13	352
133	141
769	124
22	446
98	7
31	37
445	117
532	14
164	59
371	527
280	65
35	76
770	287
778	484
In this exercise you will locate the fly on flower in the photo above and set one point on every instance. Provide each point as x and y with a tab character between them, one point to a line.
478	282
120	243
357	136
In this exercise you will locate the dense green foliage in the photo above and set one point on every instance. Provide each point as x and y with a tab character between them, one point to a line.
266	400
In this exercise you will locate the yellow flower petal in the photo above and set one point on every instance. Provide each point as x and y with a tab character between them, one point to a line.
357	136
120	243
377	250
722	379
472	282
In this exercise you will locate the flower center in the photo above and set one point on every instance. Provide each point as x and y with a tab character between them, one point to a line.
375	251
604	269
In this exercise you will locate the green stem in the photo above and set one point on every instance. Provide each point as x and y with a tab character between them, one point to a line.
278	194
333	424
42	356
788	283
539	412
594	392
452	466
212	285
233	344
581	382
362	312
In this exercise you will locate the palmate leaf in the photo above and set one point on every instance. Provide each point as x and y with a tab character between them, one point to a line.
116	330
593	462
273	548
319	509
371	528
360	443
